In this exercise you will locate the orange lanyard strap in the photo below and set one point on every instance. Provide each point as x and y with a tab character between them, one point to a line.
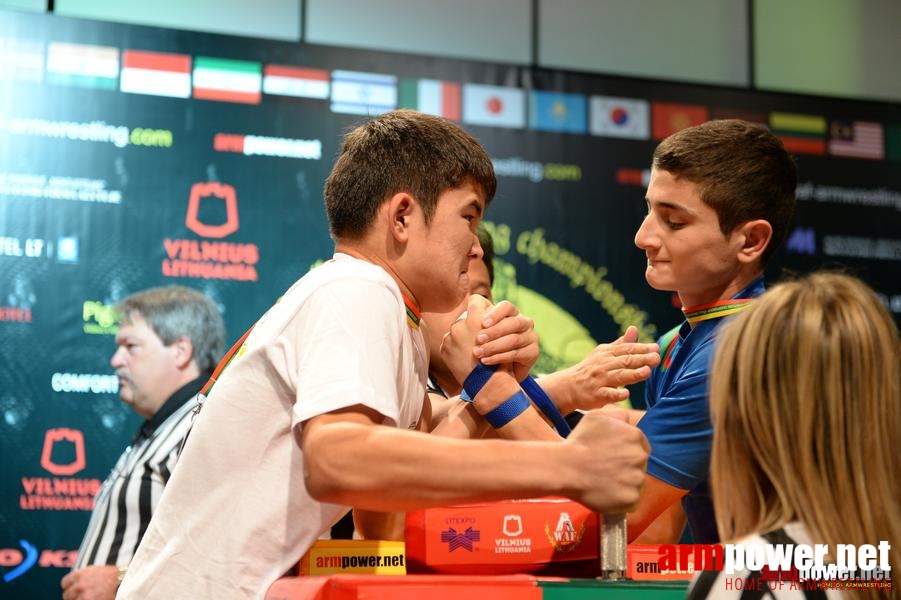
414	315
413	318
208	386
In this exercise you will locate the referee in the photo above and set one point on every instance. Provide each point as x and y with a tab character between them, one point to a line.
169	341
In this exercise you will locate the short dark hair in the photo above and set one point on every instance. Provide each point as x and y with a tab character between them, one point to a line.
487	243
174	311
401	151
742	171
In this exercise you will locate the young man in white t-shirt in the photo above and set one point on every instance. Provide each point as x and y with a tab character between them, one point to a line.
322	407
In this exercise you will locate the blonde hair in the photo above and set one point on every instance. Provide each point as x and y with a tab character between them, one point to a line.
805	399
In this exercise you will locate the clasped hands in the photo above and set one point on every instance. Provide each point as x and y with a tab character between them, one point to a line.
500	335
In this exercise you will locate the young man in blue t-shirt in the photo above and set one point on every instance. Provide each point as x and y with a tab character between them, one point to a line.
720	199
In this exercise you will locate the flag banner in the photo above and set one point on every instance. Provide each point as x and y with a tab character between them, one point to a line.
301	82
556	111
22	59
800	133
431	96
856	139
156	74
668	118
752	116
494	105
893	142
83	65
620	117
358	93
227	80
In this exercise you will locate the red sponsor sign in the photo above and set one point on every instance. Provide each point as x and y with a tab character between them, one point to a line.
211	259
212	191
545	535
63	435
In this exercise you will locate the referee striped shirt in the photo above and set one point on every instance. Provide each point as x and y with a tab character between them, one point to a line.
128	497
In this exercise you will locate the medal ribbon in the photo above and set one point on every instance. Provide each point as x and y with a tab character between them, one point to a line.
705	312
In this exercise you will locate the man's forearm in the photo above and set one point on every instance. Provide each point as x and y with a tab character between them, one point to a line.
386	469
466	420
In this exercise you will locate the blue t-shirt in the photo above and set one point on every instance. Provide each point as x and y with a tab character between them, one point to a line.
677	422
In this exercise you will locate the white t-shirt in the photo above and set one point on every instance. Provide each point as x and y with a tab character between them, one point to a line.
236	515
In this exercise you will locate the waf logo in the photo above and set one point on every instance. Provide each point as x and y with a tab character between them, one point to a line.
565	537
463	539
206	259
56	445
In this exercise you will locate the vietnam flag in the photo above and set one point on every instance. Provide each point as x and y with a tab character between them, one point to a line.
667	119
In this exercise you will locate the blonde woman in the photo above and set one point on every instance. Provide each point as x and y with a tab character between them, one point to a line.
805	401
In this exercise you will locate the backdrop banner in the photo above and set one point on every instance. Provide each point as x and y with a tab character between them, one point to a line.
133	157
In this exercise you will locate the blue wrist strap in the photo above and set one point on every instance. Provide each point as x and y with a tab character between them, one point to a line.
508	410
476	380
545	405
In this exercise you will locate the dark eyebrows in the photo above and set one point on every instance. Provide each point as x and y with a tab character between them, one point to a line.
668	206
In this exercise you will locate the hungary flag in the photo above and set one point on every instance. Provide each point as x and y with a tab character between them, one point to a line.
156	74
227	80
83	65
431	96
